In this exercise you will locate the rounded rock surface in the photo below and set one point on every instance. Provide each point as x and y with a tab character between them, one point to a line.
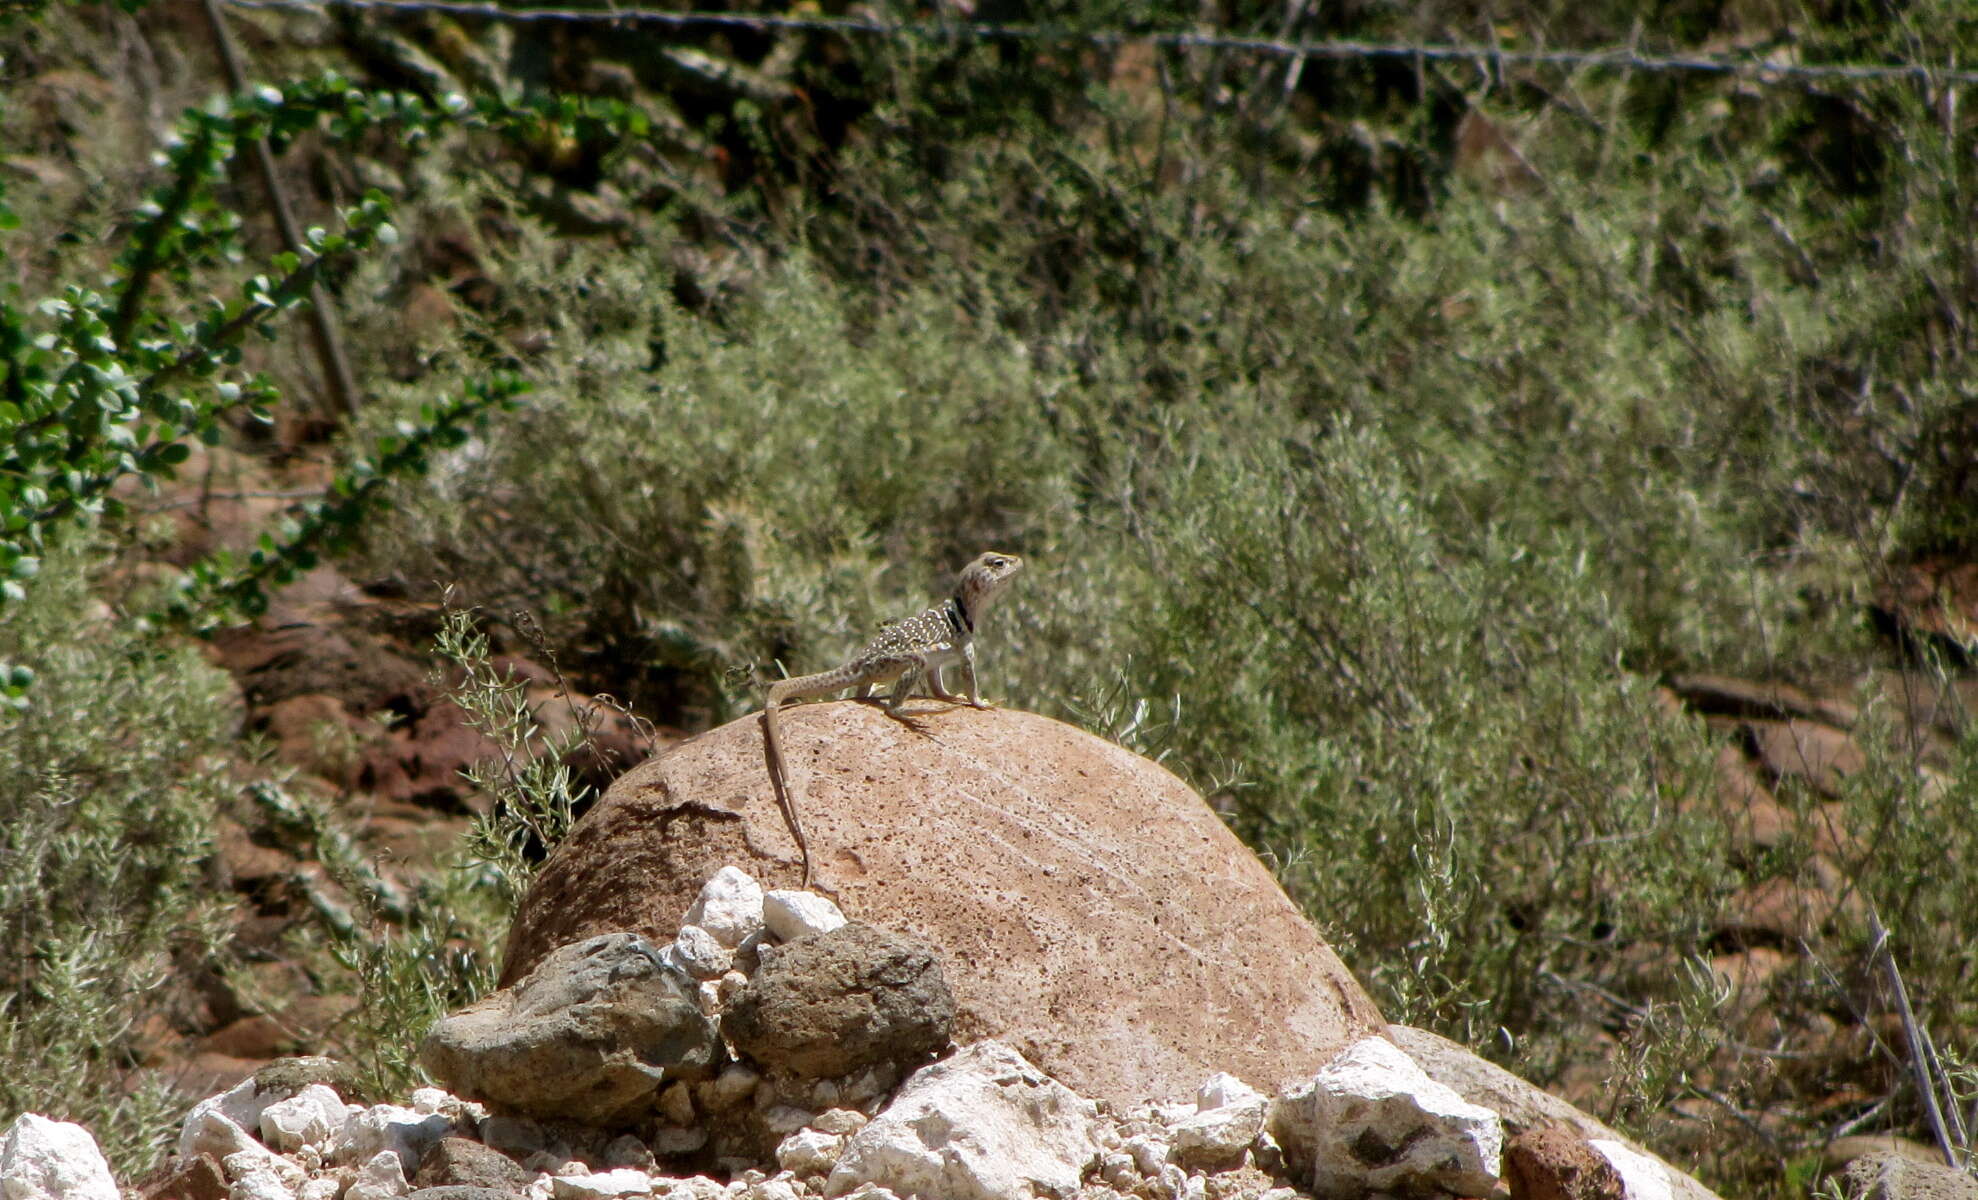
703	956
1887	1175
1088	908
790	914
43	1159
1522	1105
828	1004
729	907
464	1162
1554	1162
591	1035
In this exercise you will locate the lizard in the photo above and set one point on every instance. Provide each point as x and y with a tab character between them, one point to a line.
903	653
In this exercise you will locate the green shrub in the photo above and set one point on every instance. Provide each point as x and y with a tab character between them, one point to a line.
1393	519
706	494
411	950
109	785
1369	490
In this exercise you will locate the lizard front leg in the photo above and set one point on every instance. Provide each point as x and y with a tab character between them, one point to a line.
937	685
968	677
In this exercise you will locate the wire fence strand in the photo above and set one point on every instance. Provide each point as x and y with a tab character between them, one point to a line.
1620	59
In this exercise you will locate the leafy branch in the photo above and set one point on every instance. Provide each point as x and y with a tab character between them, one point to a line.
222	588
93	413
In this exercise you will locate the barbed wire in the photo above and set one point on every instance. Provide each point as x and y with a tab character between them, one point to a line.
939	31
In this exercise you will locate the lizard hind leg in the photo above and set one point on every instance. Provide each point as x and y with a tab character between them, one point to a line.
908	682
904	687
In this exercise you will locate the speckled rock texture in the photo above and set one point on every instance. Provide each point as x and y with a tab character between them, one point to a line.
829	1004
1089	909
1553	1162
1884	1175
590	1035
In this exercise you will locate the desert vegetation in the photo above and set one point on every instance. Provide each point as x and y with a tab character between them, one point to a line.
1388	434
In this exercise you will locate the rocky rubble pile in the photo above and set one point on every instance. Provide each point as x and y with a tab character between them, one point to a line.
776	1051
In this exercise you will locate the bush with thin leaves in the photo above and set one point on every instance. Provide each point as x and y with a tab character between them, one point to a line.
110	784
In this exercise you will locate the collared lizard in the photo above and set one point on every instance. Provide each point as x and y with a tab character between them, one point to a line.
903	653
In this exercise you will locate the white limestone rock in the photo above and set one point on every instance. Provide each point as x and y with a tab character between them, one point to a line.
792	914
840	1120
700	954
382	1177
260	1173
736	1083
309	1118
241	1106
1177	1184
786	1118
1372	1120
253	1159
1117	1170
466	1114
44	1159
729	907
1148	1153
1223	1090
865	1089
261	1185
810	1152
1229	1115
323	1187
603	1185
1642	1177
770	1189
982	1125
382	1127
1218	1137
208	1130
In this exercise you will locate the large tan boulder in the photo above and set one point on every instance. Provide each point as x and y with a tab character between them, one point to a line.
1088	908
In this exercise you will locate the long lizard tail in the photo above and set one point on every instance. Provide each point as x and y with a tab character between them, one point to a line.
779	771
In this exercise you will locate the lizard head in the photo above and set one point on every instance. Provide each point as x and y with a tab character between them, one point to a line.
984	579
